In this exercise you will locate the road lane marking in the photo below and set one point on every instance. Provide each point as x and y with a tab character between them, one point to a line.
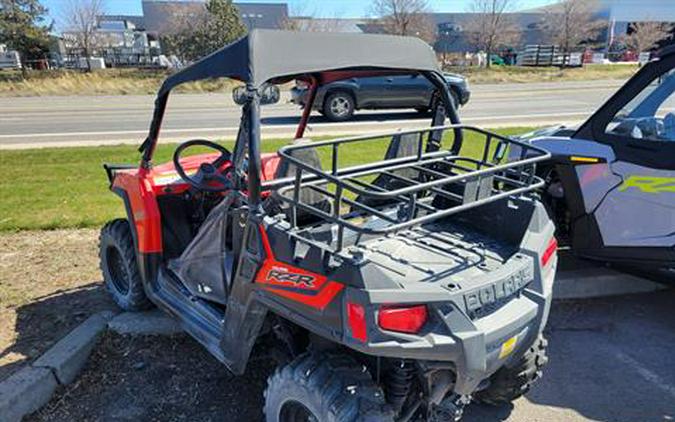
524	117
647	374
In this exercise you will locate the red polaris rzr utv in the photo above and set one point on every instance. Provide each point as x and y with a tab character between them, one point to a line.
395	287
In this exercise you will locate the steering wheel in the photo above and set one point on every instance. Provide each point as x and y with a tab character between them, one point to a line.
208	172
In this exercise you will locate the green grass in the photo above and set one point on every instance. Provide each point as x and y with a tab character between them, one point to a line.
54	188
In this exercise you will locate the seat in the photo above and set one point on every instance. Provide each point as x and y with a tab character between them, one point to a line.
308	196
401	146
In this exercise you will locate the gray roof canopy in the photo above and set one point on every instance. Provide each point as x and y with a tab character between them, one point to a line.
265	55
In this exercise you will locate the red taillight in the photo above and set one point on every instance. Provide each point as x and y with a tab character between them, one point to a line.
549	252
404	319
356	317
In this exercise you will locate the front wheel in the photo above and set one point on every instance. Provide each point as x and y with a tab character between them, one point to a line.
339	106
324	387
119	267
510	383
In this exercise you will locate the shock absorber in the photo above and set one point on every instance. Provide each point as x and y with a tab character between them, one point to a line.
399	383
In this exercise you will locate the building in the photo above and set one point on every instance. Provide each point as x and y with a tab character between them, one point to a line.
131	40
621	13
120	41
159	15
453	38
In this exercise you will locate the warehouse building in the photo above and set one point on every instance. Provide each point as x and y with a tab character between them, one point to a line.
158	15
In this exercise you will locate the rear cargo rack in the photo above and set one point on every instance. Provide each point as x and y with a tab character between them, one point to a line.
423	184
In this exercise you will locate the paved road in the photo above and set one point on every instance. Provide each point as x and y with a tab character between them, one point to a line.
610	360
60	121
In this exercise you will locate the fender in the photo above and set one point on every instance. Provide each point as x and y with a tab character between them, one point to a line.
565	150
144	219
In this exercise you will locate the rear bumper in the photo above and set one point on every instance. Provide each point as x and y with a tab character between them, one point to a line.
475	347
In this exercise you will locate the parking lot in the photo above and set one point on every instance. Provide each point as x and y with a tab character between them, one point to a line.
610	360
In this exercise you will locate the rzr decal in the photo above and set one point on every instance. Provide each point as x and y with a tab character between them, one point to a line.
294	283
649	184
283	275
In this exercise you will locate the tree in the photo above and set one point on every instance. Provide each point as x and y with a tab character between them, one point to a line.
646	35
193	37
303	19
406	17
82	20
491	25
572	22
22	28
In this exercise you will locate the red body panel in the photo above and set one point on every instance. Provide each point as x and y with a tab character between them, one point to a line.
314	290
142	187
144	212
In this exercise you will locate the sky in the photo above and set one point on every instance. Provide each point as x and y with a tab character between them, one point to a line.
325	8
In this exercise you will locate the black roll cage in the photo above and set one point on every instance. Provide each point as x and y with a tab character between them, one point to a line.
248	137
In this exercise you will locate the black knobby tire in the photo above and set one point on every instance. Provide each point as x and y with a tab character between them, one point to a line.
119	267
510	383
339	106
326	387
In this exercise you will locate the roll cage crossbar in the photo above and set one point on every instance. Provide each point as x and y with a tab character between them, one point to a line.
248	138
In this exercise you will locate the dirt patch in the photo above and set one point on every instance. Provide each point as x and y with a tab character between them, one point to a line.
186	384
49	283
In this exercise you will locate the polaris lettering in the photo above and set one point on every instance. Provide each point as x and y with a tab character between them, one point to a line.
502	289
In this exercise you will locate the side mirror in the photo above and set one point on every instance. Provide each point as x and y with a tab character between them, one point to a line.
239	95
269	94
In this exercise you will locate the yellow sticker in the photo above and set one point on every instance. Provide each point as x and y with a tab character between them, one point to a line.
508	347
579	159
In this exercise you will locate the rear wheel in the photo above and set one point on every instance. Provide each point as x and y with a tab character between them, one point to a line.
119	267
328	387
339	106
510	383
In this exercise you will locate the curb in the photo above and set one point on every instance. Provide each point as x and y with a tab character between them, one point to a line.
67	357
149	323
25	392
33	386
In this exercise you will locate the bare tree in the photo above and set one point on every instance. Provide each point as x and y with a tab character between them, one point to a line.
312	24
406	17
302	18
646	35
82	20
491	25
571	22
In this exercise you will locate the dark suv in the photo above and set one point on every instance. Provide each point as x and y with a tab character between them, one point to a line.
338	100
